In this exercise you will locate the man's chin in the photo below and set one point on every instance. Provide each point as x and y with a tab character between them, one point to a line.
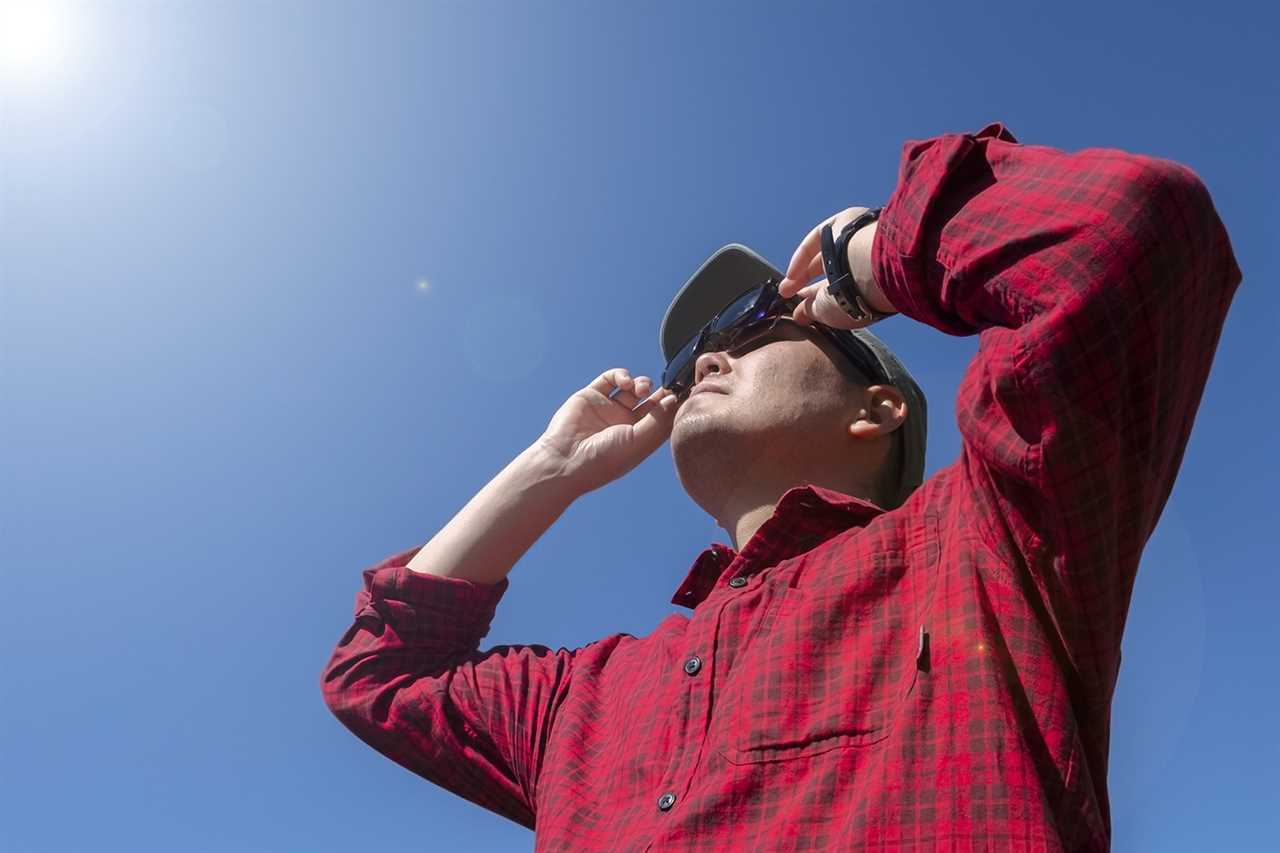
687	416
697	437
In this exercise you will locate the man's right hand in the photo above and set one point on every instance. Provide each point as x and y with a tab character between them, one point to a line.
595	440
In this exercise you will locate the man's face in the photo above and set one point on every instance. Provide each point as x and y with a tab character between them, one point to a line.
782	404
775	366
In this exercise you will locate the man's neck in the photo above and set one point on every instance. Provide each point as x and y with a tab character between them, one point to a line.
746	513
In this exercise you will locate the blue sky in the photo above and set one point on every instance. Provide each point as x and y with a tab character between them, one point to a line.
284	285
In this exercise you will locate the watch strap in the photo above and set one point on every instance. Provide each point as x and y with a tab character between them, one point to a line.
840	283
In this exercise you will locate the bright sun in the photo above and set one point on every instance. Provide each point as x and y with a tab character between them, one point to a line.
34	37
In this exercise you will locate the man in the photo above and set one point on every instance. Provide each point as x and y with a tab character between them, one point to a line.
871	665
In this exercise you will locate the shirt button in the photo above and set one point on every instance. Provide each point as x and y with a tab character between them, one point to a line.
666	801
692	665
737	582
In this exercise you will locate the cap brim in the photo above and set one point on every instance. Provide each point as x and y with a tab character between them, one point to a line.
732	270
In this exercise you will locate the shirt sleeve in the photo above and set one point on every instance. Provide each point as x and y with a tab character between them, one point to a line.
408	679
1098	283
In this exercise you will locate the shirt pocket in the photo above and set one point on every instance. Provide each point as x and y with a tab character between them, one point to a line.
832	664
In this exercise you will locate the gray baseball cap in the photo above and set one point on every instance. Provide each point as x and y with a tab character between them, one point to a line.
732	270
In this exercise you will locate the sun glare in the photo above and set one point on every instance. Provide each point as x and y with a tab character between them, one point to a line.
34	37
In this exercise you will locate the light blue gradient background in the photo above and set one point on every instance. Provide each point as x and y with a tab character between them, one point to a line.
225	392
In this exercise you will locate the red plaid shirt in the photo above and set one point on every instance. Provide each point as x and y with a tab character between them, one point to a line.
938	676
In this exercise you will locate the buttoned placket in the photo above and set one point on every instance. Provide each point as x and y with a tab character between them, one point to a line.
693	666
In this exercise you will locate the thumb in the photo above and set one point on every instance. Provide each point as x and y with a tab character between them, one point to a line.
803	313
800	315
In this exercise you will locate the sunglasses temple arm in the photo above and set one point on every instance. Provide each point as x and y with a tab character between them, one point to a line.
646	399
637	406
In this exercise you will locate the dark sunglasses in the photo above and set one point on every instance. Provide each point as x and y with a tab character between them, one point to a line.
749	317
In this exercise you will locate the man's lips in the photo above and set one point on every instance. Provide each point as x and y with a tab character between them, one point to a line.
698	389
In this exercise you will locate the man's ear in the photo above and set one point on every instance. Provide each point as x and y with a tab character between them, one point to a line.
880	411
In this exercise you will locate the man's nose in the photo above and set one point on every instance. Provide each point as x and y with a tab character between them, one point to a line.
709	362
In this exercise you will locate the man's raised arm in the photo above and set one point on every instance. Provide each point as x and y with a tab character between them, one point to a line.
1098	282
408	677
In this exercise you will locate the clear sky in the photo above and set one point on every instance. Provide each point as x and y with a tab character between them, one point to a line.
285	284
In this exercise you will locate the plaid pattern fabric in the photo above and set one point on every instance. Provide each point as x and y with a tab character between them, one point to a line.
938	676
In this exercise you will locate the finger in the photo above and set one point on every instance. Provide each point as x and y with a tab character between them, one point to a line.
655	426
641	393
626	397
802	259
633	394
801	315
808	270
815	268
652	400
809	246
803	312
614	384
610	379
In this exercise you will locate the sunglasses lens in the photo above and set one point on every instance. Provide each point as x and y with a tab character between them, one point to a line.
736	339
680	369
735	325
737	310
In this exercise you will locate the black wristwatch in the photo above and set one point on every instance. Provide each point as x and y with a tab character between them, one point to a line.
840	282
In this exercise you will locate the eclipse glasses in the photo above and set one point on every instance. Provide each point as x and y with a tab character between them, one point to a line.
749	317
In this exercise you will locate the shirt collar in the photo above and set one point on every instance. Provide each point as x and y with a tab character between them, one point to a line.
804	516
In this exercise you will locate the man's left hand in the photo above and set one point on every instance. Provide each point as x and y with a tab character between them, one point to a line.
818	306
